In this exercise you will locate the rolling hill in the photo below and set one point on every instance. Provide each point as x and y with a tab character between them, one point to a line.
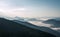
9	28
55	23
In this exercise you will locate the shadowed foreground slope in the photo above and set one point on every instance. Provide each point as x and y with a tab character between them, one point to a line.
12	29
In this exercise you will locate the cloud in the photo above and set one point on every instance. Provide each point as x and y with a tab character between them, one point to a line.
8	9
26	8
4	6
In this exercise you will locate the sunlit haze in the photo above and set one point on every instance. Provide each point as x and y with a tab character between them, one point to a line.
30	8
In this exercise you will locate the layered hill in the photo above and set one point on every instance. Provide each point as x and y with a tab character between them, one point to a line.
55	23
12	29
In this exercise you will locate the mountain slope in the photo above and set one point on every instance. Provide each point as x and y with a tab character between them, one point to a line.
55	23
12	29
45	29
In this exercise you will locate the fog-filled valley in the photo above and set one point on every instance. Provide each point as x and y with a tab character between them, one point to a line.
46	24
29	18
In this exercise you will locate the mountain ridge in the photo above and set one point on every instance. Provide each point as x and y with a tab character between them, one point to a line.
12	29
53	22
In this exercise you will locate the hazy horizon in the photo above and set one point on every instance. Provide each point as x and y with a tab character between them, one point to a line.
30	8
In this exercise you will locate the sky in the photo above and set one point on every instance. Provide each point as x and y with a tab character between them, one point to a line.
30	8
